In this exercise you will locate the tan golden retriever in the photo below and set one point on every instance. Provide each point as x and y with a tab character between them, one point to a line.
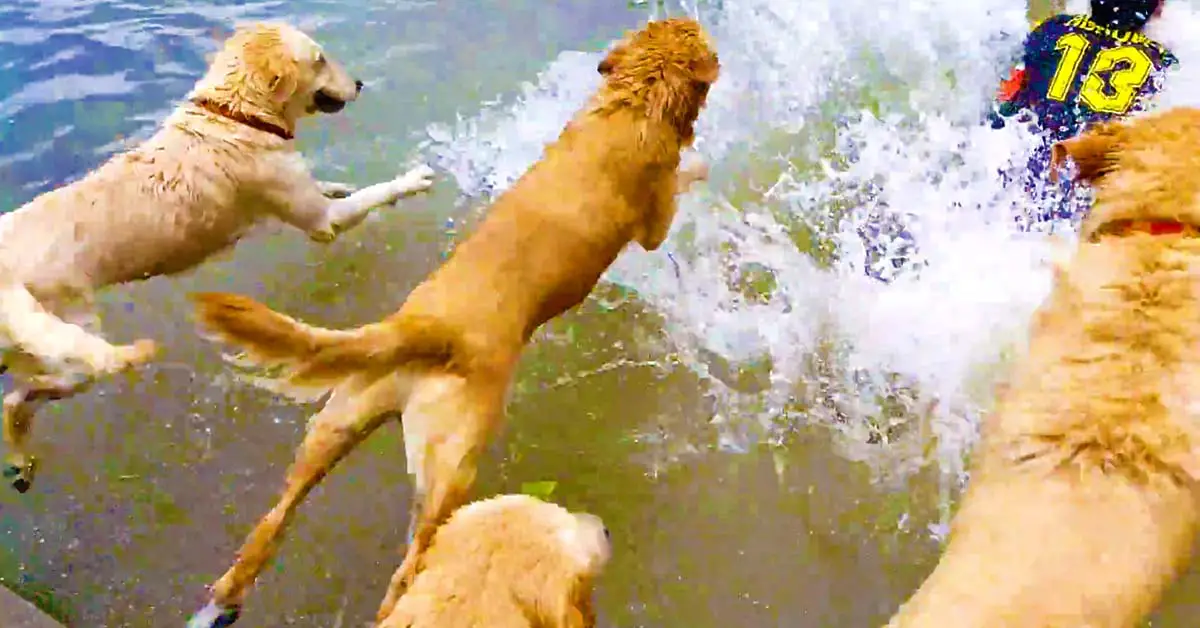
221	163
1081	508
444	360
512	561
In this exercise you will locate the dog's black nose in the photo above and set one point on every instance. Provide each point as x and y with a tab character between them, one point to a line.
358	86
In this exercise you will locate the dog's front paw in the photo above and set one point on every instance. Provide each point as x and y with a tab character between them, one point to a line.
419	179
333	189
19	472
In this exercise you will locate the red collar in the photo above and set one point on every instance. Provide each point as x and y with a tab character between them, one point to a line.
250	121
1152	227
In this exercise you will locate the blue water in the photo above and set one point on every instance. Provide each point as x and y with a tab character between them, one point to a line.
76	78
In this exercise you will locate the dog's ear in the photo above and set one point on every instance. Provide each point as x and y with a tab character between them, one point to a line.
563	604
1093	152
283	86
278	69
269	65
676	95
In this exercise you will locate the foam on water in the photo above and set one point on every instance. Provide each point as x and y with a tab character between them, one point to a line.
878	105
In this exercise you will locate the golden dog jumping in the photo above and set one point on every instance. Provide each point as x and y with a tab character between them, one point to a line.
444	361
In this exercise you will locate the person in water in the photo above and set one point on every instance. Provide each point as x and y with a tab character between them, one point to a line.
1073	71
1076	71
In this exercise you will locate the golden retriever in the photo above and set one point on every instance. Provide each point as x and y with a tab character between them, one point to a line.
221	163
512	561
444	360
1081	508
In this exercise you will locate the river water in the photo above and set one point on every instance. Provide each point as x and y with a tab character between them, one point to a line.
747	411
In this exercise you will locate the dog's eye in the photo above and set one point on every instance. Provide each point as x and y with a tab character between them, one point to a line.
320	58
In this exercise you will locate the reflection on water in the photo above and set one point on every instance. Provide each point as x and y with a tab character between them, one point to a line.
648	407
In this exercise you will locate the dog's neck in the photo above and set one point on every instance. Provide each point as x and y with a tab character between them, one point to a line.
1162	226
255	123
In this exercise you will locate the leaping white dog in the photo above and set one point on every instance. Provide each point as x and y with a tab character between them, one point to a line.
222	162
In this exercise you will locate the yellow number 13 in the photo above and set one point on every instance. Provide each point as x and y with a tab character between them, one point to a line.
1115	96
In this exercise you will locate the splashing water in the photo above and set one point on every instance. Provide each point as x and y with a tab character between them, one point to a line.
827	115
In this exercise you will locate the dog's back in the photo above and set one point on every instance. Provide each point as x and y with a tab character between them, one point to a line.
1081	507
160	208
546	241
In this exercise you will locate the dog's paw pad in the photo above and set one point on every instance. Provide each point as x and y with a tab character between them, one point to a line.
213	616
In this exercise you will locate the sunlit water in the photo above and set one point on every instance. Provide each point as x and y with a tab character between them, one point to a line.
858	106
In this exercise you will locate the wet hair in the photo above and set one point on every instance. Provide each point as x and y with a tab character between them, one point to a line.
1130	15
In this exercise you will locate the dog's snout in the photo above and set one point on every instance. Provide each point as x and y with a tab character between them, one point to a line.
358	85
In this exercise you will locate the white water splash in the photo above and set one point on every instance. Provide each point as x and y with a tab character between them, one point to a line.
879	106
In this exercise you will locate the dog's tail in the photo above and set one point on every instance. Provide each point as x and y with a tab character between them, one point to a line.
315	359
57	345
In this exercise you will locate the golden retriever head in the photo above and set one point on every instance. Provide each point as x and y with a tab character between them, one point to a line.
507	557
1143	169
667	68
271	75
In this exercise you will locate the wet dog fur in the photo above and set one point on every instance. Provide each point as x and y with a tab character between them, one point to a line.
221	163
512	561
444	360
1081	507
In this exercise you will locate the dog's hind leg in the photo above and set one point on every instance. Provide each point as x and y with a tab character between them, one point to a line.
447	423
19	464
352	413
57	346
62	344
20	406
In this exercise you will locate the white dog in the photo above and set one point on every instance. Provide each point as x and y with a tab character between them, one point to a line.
222	162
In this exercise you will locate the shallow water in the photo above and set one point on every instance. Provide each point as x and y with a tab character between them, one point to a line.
742	410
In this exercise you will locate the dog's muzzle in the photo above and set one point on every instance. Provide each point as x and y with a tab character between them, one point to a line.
327	104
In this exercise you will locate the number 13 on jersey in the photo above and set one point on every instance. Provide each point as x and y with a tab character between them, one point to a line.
1128	68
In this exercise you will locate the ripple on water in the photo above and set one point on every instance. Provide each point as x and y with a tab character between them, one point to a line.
124	59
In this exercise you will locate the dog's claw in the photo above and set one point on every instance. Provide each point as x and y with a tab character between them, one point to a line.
213	616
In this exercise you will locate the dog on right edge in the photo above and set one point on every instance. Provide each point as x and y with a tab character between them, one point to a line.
1082	504
444	361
